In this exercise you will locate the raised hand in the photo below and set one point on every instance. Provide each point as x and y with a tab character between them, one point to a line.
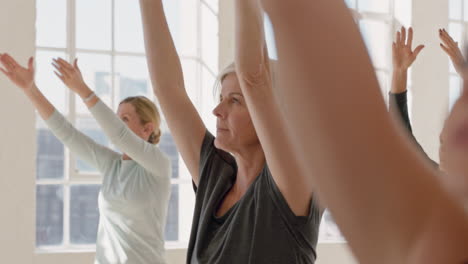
403	54
71	76
22	77
453	51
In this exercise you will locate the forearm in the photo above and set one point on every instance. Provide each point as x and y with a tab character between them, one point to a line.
399	81
143	152
40	102
79	144
163	62
250	48
85	92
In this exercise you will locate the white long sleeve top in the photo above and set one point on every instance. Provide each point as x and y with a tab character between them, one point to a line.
134	195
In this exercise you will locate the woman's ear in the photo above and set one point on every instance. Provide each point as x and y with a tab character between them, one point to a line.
149	127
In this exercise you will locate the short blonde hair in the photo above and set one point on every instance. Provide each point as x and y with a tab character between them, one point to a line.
147	112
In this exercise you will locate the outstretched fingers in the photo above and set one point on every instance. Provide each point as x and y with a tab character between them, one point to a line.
7	63
403	36
409	42
62	70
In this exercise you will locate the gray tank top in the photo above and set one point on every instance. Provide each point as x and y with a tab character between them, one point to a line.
259	228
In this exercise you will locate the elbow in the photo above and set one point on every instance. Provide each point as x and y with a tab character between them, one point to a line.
253	78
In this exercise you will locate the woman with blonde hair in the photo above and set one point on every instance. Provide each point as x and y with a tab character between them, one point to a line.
135	189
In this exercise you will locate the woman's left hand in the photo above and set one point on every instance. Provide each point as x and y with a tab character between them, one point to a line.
71	76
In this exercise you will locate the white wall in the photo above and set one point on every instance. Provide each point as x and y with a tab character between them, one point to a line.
17	133
430	75
17	139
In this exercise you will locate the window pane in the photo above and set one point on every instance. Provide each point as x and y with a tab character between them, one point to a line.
376	35
89	127
172	223
455	31
186	205
96	70
84	214
383	82
351	3
50	153
270	39
208	99
93	24
182	18
128	27
455	90
212	4
50	85
209	38
49	215
189	68
329	231
455	9
465	15
380	6
167	145
51	26
131	77
403	10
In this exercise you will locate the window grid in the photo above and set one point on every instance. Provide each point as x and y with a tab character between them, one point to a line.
71	176
458	24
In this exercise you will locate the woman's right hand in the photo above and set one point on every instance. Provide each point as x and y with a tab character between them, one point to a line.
453	51
22	77
403	54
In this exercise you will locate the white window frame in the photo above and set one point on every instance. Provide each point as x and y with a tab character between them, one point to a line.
72	176
463	22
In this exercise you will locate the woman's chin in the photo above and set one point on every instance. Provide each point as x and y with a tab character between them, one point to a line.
220	143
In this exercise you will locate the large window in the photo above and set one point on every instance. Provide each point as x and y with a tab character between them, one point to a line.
106	37
458	17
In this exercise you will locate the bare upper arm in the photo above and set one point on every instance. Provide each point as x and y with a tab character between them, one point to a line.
186	127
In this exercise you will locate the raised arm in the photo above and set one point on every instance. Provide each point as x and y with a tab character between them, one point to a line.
94	154
452	49
384	197
403	58
165	70
255	77
144	153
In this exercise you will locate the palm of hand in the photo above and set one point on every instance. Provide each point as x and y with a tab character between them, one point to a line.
22	77
75	80
404	58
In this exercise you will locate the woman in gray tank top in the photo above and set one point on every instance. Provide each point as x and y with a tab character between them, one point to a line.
248	208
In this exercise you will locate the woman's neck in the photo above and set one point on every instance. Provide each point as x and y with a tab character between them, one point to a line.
249	165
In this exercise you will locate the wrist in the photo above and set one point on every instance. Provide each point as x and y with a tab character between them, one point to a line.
33	90
400	71
84	92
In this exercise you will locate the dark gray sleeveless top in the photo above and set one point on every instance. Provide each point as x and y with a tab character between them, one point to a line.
259	228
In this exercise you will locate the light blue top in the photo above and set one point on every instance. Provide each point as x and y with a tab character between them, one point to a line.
134	194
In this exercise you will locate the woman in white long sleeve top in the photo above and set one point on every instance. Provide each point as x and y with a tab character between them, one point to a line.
136	185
